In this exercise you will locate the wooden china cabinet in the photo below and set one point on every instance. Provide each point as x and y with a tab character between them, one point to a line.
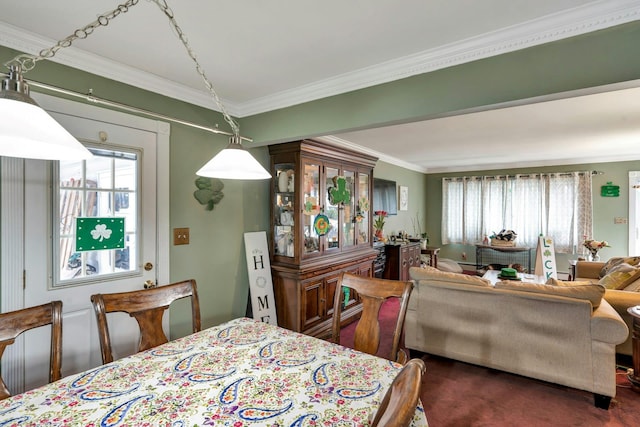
321	225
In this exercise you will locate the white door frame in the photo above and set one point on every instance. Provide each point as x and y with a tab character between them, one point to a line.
634	222
12	257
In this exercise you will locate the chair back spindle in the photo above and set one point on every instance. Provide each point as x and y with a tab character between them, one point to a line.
373	292
147	306
14	323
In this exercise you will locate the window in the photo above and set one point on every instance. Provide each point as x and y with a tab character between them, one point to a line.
104	186
557	205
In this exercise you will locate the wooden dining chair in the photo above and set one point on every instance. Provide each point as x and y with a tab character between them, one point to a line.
14	323
147	306
399	403
373	292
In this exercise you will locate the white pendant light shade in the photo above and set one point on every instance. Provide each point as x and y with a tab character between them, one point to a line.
27	131
234	162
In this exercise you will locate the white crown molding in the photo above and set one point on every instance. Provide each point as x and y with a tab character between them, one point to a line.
614	158
581	20
584	19
330	139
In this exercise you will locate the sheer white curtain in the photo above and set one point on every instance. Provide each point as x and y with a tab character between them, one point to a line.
558	205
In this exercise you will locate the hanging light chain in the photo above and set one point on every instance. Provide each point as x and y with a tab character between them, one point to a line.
28	62
162	4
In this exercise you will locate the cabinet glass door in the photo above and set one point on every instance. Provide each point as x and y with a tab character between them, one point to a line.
284	221
333	184
349	210
363	215
311	200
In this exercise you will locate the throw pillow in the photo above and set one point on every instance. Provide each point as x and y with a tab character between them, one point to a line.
633	287
590	292
430	273
620	276
633	261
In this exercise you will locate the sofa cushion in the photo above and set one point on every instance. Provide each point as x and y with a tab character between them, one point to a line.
579	290
620	276
557	282
430	273
633	261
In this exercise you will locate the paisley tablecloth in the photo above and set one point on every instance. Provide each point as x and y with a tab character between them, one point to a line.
241	373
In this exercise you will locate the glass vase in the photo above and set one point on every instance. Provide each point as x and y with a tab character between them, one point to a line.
594	257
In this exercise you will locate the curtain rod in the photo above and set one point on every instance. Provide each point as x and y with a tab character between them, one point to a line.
94	99
526	175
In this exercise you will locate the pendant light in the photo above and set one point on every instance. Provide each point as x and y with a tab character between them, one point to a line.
28	131
234	162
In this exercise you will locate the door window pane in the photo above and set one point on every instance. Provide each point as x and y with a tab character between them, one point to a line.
104	186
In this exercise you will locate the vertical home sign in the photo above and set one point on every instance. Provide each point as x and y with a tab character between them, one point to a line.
263	304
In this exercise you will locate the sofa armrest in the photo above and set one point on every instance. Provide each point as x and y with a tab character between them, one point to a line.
588	269
621	300
607	325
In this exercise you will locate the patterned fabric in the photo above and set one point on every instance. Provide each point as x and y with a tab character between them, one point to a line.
241	373
633	261
620	276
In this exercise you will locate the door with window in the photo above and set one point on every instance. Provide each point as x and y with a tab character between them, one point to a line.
93	227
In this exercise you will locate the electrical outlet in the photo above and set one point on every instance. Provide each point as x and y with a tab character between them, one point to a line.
180	236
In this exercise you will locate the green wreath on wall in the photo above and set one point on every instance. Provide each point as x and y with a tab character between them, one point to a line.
209	192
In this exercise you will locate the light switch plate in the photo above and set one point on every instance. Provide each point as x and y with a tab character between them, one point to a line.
181	236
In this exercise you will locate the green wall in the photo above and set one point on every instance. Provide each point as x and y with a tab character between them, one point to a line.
604	208
215	257
415	181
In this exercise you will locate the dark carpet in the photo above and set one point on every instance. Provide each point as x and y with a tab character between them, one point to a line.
457	394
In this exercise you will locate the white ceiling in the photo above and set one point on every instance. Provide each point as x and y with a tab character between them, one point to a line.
263	55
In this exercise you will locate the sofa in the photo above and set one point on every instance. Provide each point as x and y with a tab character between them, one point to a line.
622	290
559	334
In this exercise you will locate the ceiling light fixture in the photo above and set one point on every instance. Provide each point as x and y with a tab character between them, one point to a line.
26	130
20	136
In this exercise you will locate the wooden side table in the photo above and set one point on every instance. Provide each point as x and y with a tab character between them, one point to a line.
634	377
432	251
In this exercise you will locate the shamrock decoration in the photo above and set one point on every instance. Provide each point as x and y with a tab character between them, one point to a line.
311	206
339	193
101	232
209	192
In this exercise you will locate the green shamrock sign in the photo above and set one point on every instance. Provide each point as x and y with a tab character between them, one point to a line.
339	193
93	234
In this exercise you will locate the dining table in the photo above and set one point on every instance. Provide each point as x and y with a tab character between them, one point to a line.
240	373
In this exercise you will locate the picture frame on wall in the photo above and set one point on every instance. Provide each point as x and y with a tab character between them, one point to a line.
403	200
